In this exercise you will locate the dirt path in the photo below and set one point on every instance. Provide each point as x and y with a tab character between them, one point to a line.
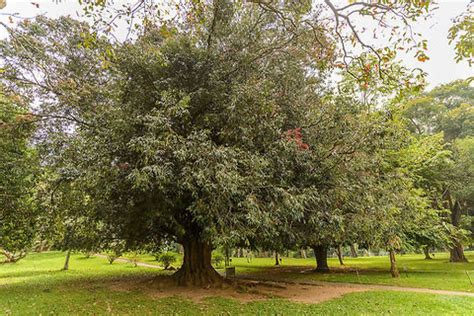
361	287
138	263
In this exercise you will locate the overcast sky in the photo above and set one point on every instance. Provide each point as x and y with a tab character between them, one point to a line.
441	67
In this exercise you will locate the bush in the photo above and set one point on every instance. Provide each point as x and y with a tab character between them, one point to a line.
133	257
88	254
217	259
113	255
12	257
166	259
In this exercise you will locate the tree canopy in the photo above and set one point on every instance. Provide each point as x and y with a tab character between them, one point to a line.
221	126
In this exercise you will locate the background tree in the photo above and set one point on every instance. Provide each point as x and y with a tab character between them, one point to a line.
18	170
447	109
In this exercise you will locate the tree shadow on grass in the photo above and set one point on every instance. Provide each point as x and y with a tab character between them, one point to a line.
28	273
60	280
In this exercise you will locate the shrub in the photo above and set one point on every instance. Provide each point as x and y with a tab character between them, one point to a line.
217	259
133	257
166	259
113	255
88	254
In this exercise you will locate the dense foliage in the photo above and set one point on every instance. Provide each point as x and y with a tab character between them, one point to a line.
18	168
222	128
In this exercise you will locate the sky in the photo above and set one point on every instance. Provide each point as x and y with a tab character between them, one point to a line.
441	68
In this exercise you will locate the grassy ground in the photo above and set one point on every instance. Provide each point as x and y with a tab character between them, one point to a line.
415	271
36	285
438	273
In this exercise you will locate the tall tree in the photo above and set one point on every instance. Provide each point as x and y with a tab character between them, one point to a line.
183	132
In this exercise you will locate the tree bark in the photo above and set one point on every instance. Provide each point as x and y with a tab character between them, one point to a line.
339	254
227	256
426	251
393	265
66	263
321	254
197	269
353	251
457	251
277	261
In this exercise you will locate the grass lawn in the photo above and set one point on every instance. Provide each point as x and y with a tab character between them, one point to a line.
438	273
415	271
36	285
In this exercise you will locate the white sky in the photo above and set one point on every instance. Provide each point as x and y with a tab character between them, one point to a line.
441	67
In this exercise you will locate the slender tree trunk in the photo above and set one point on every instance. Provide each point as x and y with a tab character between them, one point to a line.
227	256
426	251
321	254
303	253
249	256
339	254
277	260
353	251
66	263
393	265
197	269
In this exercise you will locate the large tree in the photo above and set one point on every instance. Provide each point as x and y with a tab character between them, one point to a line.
188	132
176	136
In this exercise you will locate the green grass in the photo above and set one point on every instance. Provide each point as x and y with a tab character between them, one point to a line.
36	285
415	271
438	273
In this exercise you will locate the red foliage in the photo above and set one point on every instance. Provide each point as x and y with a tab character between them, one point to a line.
296	136
123	165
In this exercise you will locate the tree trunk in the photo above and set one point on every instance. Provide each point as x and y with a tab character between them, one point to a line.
339	254
303	253
226	256
393	265
457	250
353	251
66	263
426	251
457	253
197	269
321	254
277	261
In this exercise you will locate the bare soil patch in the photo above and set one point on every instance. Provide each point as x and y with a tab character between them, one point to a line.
265	285
241	290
